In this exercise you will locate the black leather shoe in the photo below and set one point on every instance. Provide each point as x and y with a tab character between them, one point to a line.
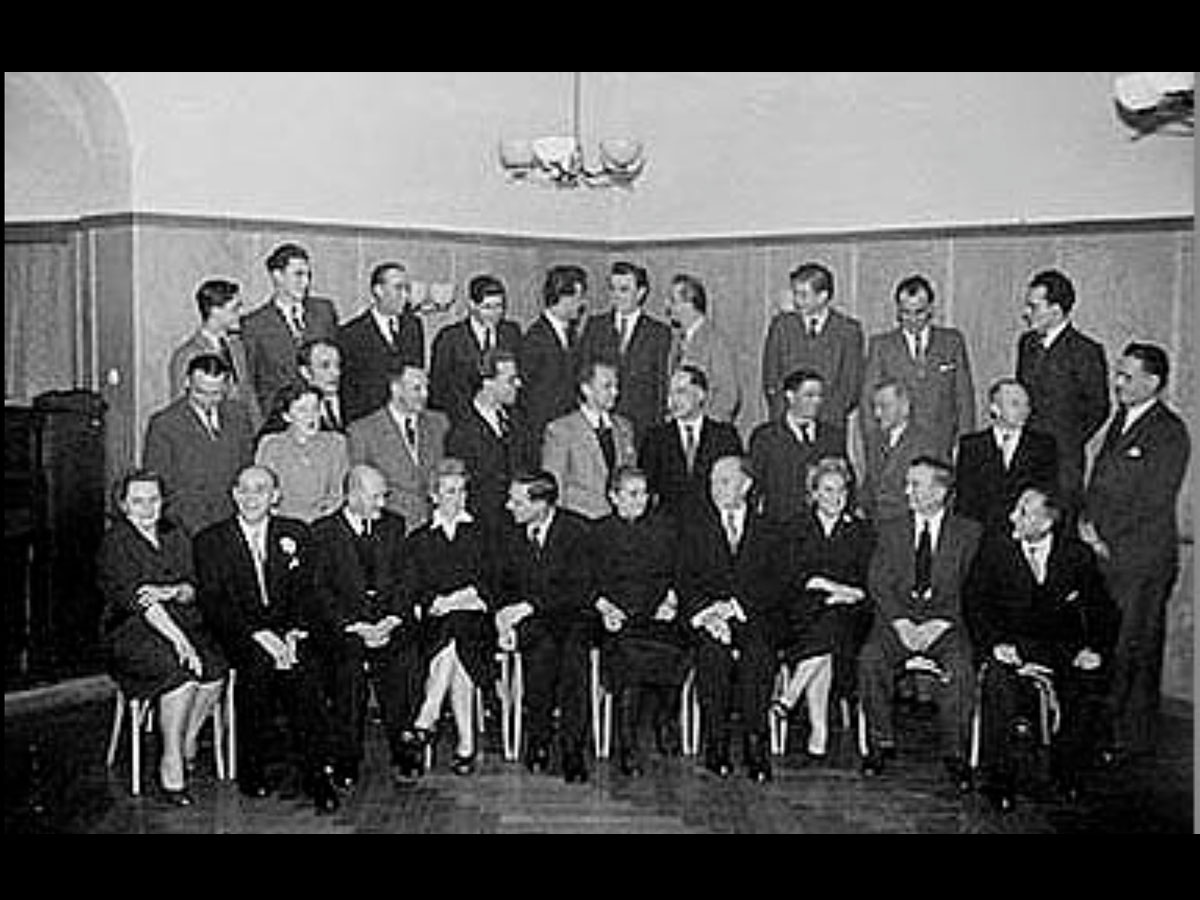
176	796
1001	799
718	763
537	758
463	764
574	769
872	765
758	762
631	763
254	788
344	776
324	795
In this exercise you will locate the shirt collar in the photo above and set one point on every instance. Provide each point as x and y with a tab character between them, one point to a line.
1133	413
817	319
385	323
449	524
595	418
1053	332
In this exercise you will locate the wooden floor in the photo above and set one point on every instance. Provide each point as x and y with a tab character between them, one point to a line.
56	782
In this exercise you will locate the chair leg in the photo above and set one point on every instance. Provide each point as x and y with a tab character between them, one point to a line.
114	738
689	717
138	711
231	726
601	710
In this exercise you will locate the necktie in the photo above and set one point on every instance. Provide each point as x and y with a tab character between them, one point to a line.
394	331
607	445
331	420
211	424
732	532
813	331
1007	443
923	567
226	355
259	553
295	319
623	331
1033	552
410	435
689	445
489	340
919	347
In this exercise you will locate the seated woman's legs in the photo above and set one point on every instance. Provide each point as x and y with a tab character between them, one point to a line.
174	712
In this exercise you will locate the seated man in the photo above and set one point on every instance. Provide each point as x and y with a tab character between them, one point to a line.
546	588
1041	619
252	570
726	593
918	569
644	648
363	622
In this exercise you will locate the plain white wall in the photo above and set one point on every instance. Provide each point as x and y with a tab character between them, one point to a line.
729	152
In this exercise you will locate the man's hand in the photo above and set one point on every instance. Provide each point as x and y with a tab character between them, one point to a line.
1087	660
668	609
277	648
611	615
909	634
1007	654
507	620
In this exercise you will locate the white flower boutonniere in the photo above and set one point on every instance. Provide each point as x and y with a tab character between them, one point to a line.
1134	452
289	548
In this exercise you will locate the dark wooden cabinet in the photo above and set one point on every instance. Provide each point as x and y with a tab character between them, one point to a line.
54	517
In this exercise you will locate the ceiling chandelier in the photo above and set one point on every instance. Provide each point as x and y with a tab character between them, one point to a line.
1157	102
559	160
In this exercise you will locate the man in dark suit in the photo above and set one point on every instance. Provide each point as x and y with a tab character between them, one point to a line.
288	319
782	450
677	456
362	621
405	442
220	304
994	465
888	449
916	578
1041	620
547	590
493	441
458	349
1130	518
932	363
549	350
637	343
1066	375
381	340
251	572
817	337
726	594
198	444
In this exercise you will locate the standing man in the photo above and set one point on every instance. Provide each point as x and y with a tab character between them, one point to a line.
459	349
583	448
995	465
493	441
319	364
918	570
891	446
930	361
1066	375
678	455
1130	519
252	574
198	444
636	342
220	305
698	343
817	337
782	450
382	339
404	441
289	318
546	580
549	352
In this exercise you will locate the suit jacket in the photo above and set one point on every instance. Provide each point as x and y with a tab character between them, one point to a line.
885	469
838	353
271	349
227	584
710	570
571	451
491	462
377	441
1133	490
240	385
454	362
940	388
369	359
662	458
198	469
1049	622
985	490
709	350
548	372
1069	392
643	369
781	462
350	587
892	572
555	579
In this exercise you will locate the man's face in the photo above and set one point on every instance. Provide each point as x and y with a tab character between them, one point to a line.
411	391
914	309
207	391
623	289
925	493
1040	314
684	398
1011	406
142	503
1030	518
368	497
890	408
293	280
601	391
489	311
630	498
521	507
830	494
255	493
324	369
805	401
392	293
226	319
728	484
450	494
809	302
1132	383
506	383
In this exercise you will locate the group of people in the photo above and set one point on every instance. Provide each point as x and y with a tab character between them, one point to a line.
332	517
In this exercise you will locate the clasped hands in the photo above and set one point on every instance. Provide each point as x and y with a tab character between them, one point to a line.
150	594
919	638
716	618
507	620
1086	659
463	600
614	618
374	635
835	593
282	650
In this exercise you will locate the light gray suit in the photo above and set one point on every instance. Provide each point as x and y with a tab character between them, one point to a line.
376	440
571	451
708	349
240	387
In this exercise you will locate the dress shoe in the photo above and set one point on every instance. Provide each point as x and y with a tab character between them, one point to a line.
574	769
958	773
872	765
254	788
463	764
1000	797
324	795
343	776
667	739
176	796
758	761
537	758
718	763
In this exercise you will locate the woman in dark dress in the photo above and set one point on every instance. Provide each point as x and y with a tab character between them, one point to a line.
156	645
644	650
822	602
451	588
